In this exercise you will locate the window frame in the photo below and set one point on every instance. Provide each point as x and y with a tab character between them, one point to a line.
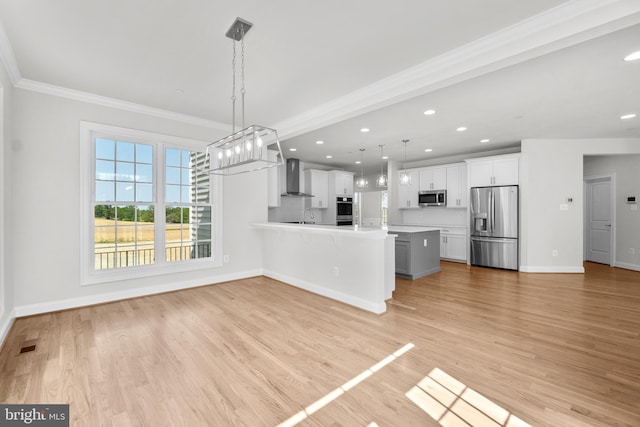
89	275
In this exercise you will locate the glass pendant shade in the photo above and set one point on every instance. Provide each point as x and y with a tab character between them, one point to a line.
362	181
405	178
382	179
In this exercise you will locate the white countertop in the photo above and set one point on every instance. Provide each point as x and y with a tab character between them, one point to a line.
410	229
354	230
345	230
447	229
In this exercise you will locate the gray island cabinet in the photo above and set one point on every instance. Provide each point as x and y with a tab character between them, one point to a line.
417	251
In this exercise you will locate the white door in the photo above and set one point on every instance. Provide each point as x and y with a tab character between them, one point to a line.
599	221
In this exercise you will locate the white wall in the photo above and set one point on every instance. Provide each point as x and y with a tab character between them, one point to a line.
6	265
627	172
46	198
550	172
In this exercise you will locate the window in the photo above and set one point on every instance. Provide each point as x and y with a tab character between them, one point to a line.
148	205
187	206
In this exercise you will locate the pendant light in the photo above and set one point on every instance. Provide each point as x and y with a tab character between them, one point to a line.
382	179
405	178
362	182
245	150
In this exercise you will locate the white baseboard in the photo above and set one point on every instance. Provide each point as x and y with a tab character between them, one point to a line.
627	266
550	269
376	308
6	326
46	307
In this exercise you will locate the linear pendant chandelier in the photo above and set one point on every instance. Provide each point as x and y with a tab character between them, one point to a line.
247	149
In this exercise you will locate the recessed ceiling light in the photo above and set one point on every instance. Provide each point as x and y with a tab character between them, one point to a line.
385	157
292	149
484	141
428	150
358	162
365	130
329	157
628	116
319	142
461	129
633	56
429	112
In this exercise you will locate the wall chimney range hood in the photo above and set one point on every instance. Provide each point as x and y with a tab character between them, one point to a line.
293	179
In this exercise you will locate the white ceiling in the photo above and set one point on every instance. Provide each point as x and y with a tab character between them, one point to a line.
322	70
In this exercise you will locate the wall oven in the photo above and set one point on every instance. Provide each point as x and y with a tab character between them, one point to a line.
432	198
344	211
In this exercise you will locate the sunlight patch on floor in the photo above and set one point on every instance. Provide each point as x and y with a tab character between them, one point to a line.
333	395
452	403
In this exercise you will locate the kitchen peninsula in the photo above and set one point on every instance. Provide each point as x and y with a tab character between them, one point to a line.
349	264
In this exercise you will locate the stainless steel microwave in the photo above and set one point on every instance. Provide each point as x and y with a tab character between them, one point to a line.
432	198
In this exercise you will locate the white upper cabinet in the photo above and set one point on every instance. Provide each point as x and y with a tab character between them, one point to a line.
273	181
433	178
408	194
489	171
317	184
341	182
457	191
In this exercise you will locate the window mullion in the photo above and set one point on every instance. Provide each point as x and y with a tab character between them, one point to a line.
161	212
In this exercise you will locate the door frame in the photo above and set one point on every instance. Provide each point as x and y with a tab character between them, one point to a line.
612	238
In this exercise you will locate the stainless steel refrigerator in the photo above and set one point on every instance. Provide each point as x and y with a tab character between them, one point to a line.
494	226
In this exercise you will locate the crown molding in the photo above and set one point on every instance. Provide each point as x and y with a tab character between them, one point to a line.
567	24
118	104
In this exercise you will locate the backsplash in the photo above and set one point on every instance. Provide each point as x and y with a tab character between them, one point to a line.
292	209
435	216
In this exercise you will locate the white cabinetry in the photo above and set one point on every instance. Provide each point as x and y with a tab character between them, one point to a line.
434	178
453	245
408	194
317	184
488	171
341	183
273	181
457	191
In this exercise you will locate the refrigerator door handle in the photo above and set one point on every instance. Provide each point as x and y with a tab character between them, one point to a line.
492	213
492	239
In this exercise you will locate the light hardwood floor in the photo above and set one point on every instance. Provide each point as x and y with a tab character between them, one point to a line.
549	349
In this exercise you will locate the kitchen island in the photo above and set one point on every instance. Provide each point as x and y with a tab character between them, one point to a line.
350	264
417	250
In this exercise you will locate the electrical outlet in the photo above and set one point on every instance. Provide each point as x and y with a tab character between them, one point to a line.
425	243
336	270
554	252
632	251
226	259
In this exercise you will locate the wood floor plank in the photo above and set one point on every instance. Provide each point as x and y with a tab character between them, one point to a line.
549	349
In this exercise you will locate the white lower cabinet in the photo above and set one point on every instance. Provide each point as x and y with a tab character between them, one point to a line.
453	246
